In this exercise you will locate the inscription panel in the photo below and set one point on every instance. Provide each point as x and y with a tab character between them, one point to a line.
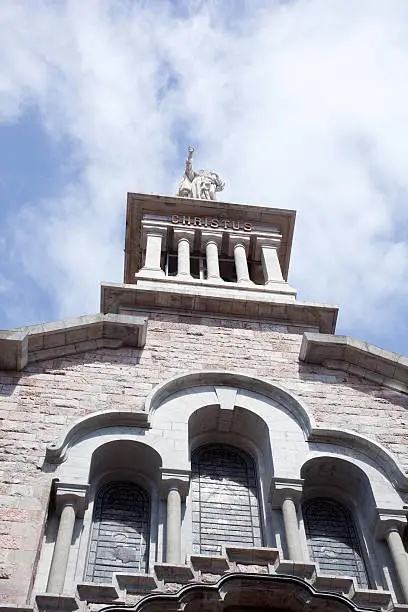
225	500
120	532
333	540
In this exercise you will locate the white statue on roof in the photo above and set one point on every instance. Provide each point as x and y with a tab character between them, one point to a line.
202	184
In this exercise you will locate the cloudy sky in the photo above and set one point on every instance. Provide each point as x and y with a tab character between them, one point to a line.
297	104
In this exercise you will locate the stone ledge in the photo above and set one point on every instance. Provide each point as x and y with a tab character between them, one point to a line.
374	600
136	583
97	593
169	572
52	602
262	564
19	347
261	556
15	608
335	584
300	569
197	298
212	565
356	357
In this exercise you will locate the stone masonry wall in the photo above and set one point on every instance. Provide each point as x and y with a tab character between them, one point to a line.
38	404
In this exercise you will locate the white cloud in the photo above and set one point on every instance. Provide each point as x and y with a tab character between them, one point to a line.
298	105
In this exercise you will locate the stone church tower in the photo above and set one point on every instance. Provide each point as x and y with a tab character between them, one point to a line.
206	442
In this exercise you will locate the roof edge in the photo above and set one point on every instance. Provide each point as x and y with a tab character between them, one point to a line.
19	347
356	357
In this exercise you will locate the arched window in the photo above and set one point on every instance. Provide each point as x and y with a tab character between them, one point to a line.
332	539
120	532
225	499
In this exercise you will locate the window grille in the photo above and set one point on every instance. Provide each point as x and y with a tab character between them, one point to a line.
224	499
333	541
120	532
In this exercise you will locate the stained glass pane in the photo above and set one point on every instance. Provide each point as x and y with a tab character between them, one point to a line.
225	500
120	532
332	539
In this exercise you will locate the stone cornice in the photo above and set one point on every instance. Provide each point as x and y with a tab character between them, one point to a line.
356	357
275	305
19	347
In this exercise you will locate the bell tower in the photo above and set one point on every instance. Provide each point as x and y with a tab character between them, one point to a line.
192	254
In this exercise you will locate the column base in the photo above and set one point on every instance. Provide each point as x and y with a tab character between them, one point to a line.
246	282
215	279
155	272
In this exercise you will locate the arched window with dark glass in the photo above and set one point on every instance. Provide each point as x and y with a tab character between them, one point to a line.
120	532
224	499
333	540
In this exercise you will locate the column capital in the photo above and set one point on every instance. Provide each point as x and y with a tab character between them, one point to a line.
184	234
389	519
238	240
267	242
285	488
75	495
175	479
154	229
210	236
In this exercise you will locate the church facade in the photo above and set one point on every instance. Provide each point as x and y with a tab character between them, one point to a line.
206	442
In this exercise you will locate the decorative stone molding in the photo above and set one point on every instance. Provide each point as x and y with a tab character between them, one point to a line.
179	479
266	241
154	228
296	407
283	488
259	573
231	380
356	357
285	494
235	240
57	452
387	518
210	236
75	495
255	590
275	303
376	451
24	345
184	234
